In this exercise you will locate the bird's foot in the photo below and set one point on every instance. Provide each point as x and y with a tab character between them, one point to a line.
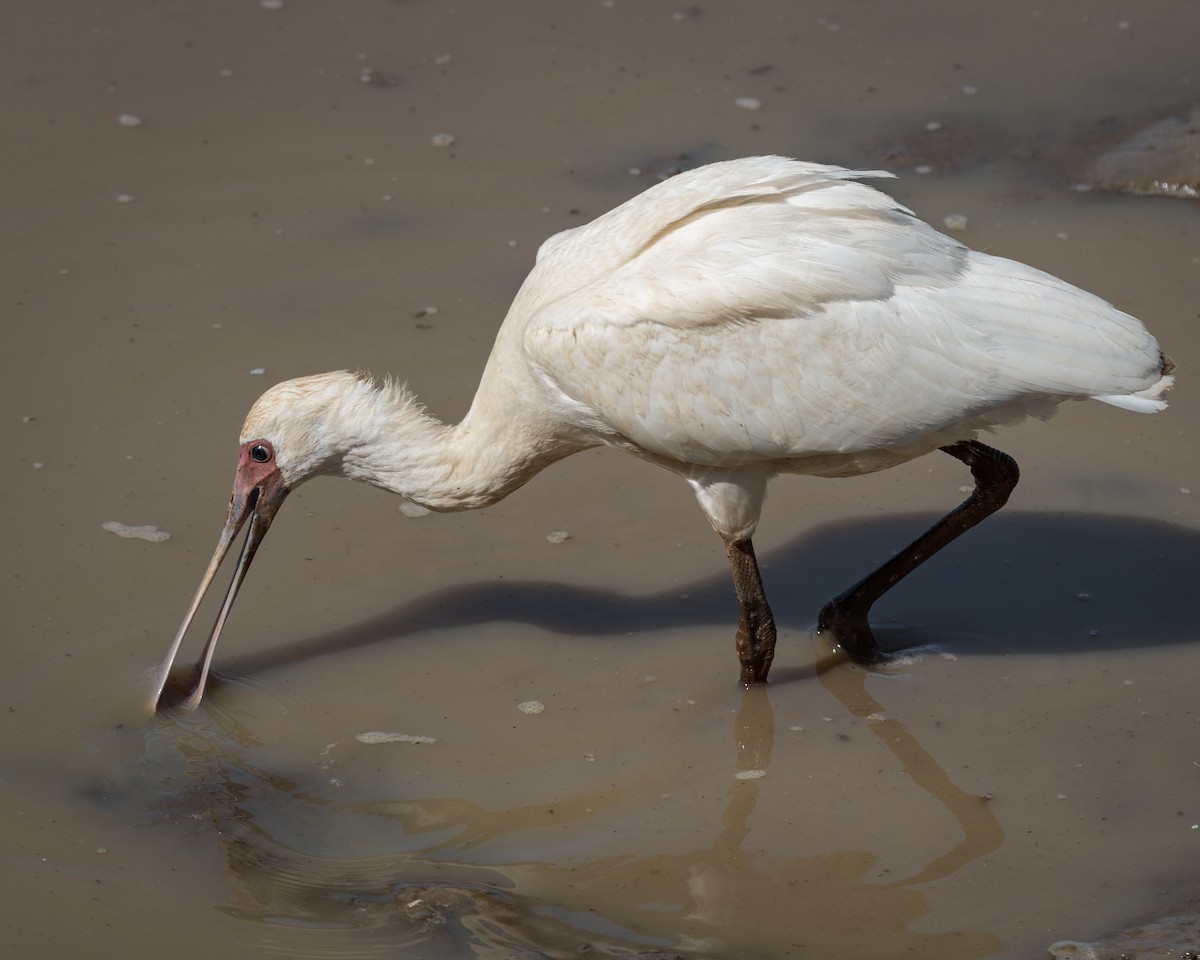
847	628
754	674
756	650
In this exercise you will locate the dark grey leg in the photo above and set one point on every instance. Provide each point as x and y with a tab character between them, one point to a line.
844	617
756	625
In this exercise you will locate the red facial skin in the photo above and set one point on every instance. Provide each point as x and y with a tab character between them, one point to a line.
258	484
258	491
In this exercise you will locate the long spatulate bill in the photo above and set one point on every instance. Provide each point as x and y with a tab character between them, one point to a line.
258	491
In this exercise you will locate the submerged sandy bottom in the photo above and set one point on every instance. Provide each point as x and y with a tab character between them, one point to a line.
1028	775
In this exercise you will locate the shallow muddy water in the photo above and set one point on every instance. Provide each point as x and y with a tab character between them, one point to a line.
273	204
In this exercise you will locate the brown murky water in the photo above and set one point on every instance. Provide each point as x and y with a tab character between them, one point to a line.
1033	776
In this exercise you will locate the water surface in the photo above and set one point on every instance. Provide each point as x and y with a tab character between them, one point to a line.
1030	775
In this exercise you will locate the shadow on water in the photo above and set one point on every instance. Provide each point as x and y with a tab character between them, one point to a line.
1023	583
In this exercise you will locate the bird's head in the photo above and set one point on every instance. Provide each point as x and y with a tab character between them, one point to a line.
288	437
309	422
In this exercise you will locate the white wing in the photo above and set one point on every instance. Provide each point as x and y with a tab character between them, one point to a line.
790	312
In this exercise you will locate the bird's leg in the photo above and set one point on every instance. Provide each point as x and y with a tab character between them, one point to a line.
756	625
845	616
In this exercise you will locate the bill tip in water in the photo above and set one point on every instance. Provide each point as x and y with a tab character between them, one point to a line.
179	694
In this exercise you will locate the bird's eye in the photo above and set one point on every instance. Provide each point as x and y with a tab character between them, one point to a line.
260	453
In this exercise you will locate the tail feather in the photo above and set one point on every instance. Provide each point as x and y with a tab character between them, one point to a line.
1146	401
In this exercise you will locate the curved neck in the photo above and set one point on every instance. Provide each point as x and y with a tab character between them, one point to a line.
401	448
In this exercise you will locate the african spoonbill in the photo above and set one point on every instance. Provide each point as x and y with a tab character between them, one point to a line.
745	319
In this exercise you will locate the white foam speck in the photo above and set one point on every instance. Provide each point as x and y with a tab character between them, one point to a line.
750	774
379	736
531	706
145	532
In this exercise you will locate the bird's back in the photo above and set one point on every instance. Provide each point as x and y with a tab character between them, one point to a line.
767	309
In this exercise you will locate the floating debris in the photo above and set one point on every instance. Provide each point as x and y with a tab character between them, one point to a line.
531	706
1173	937
377	78
129	120
750	774
663	168
379	736
1161	160
442	139
747	103
955	221
146	532
557	536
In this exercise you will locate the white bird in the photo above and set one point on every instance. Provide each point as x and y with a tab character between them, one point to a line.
745	319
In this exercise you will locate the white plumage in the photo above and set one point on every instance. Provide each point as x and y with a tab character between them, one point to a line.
744	319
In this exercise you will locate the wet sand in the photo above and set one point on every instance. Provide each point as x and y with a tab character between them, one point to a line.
1028	776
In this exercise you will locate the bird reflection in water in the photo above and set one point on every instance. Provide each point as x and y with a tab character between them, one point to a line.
720	896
